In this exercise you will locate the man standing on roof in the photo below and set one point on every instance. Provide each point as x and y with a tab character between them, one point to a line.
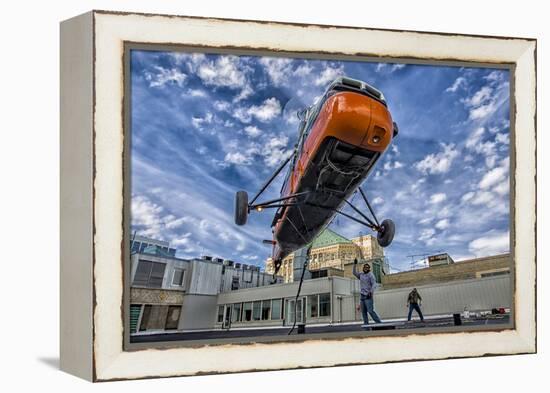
413	302
368	283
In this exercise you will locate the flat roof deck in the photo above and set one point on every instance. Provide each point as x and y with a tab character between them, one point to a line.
437	323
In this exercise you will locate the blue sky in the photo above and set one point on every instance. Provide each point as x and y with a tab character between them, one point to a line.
205	126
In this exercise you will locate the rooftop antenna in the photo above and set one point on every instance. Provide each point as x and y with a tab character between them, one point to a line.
415	259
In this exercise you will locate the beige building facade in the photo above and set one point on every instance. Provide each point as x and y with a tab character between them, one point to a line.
464	270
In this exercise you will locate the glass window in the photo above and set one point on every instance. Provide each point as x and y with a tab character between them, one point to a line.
145	317
149	274
135	247
178	277
220	314
324	305
157	274
312	306
276	309
247	311
236	314
257	310
266	309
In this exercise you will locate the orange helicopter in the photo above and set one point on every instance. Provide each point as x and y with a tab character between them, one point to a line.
341	137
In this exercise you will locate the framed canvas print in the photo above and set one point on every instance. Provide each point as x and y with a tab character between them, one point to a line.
246	195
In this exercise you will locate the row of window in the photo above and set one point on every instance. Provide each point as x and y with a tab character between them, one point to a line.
273	309
151	274
331	256
261	310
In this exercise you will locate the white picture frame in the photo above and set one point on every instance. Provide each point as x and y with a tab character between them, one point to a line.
92	193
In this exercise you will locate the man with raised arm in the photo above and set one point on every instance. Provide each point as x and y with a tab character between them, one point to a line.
367	282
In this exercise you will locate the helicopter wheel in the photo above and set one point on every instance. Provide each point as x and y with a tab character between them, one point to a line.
386	233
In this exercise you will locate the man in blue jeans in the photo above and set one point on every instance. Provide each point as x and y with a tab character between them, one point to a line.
414	301
367	281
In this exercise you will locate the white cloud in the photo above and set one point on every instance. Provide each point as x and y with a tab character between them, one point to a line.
274	151
485	101
252	131
437	163
481	96
245	92
427	236
483	111
164	76
265	112
148	220
437	198
491	244
460	81
201	150
388	67
493	177
503	138
418	183
491	160
270	109
237	158
199	122
222	106
183	240
377	201
395	165
278	69
197	93
442	224
329	74
475	138
172	222
303	70
224	71
503	188
482	198
468	196
145	212
494	76
488	149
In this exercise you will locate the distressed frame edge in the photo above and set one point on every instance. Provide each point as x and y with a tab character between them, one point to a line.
529	340
76	207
